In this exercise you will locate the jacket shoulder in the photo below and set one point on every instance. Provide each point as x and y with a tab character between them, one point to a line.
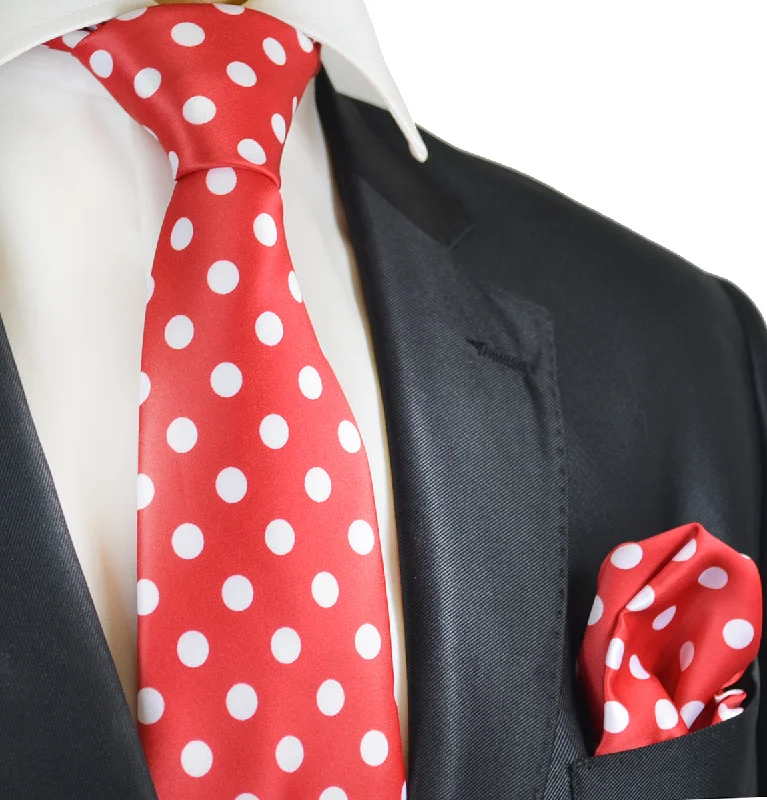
551	249
562	242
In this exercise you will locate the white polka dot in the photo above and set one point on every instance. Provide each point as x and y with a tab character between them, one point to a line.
182	435
637	670
173	158
223	277
231	485
279	127
726	713
196	759
713	578
147	597
689	712
317	484
144	387
237	593
233	10
374	748
367	641
221	180
616	717
627	556
325	589
330	698
246	795
73	38
187	541
664	618
150	705
192	649
242	74
310	383
198	110
179	332
187	34
666	715
269	328
147	82
615	650
275	51
295	289
738	634
242	701
349	436
687	552
286	645
129	15
644	599
307	45
182	233
226	379
404	792
251	151
102	63
334	793
274	431
686	655
597	609
361	537
728	693
289	754
280	537
145	491
265	229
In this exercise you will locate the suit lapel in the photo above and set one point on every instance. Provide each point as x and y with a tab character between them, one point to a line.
468	380
66	729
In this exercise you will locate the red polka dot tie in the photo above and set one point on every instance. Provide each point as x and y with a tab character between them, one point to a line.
265	667
676	622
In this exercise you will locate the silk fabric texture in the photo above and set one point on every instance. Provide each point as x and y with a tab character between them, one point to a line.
676	622
264	649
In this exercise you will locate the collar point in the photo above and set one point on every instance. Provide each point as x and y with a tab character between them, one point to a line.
418	148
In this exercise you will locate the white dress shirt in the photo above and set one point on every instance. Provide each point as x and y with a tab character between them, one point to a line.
83	190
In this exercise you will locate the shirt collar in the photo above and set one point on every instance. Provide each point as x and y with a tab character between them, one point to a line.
342	26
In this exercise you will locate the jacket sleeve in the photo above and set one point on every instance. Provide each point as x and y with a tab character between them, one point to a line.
755	333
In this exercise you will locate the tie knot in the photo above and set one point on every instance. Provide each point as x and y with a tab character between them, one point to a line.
217	85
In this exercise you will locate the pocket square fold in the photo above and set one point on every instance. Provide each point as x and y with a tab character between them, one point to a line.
676	621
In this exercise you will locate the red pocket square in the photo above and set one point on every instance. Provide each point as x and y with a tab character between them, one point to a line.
676	622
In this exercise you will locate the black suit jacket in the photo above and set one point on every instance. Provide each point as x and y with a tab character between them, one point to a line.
554	384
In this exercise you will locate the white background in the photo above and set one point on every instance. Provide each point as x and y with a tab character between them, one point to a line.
652	113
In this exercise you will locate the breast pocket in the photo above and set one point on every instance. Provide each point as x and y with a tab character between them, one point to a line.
718	761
